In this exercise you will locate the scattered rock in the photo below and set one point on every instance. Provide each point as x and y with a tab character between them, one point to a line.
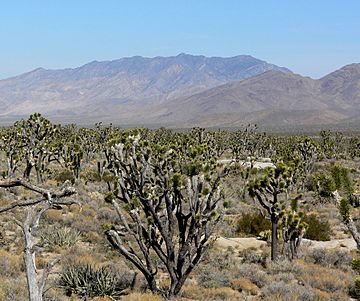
239	244
347	243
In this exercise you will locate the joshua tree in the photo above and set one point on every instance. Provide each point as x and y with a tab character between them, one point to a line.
267	190
308	156
168	200
10	144
293	229
35	207
37	136
342	192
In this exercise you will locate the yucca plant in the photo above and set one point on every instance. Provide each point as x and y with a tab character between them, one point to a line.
86	280
63	237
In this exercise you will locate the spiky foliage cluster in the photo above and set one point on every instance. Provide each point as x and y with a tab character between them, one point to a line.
268	187
87	281
62	237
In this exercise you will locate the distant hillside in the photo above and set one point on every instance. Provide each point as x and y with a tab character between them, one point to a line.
185	91
98	89
271	99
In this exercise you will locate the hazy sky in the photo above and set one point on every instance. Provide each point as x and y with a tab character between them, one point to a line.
311	37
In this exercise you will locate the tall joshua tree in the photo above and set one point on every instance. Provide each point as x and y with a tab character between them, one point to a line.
268	190
168	199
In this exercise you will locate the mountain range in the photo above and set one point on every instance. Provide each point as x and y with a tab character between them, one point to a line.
184	91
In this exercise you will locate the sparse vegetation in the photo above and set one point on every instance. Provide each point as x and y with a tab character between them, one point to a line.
149	205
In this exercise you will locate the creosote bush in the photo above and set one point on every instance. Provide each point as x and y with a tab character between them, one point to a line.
317	229
252	224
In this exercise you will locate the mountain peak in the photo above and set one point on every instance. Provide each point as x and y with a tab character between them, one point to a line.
345	71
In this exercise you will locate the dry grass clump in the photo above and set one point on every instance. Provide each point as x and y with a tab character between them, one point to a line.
325	279
53	216
13	289
221	293
11	264
244	285
255	273
214	294
81	255
282	291
141	297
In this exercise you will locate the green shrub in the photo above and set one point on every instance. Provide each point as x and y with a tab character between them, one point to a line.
354	289
252	224
317	229
65	175
355	263
90	175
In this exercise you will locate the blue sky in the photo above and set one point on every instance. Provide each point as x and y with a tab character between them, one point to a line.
311	37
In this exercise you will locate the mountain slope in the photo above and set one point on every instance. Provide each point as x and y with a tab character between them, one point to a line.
271	98
95	88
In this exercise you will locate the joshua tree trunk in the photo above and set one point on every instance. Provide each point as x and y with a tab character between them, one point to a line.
29	259
274	228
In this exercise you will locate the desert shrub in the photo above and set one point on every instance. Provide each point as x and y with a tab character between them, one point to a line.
329	258
317	229
355	263
250	257
327	185
86	224
106	214
65	175
326	280
335	282
310	183
218	270
252	224
90	175
285	277
254	273
354	289
85	280
287	291
285	266
210	278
